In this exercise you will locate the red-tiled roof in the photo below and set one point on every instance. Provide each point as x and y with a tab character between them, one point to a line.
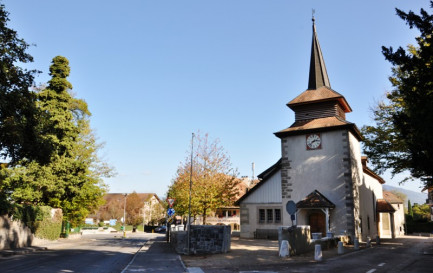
392	198
144	197
384	206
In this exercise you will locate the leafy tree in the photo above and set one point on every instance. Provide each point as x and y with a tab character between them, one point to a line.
213	180
18	114
134	206
401	139
69	177
421	212
409	209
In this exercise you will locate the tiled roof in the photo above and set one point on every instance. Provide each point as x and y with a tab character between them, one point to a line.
315	200
321	94
119	196
392	198
384	206
320	123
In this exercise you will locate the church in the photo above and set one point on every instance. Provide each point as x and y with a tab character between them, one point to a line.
321	170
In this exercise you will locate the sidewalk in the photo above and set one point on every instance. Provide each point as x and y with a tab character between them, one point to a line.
246	254
156	256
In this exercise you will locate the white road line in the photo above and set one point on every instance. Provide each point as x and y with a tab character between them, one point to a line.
371	270
381	264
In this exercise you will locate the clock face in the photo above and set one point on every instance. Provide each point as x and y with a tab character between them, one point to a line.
314	142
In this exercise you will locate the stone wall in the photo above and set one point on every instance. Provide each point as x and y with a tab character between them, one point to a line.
204	240
13	234
300	242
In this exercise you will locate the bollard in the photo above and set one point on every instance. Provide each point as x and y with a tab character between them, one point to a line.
318	252
340	248
368	242
284	249
356	244
377	240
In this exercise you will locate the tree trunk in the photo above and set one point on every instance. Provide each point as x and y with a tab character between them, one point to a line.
204	216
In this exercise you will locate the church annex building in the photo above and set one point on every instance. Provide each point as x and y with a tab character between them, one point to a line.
321	170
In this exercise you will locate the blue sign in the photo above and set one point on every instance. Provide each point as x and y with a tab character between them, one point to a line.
291	207
170	212
113	222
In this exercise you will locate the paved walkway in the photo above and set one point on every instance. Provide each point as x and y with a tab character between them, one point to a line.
156	256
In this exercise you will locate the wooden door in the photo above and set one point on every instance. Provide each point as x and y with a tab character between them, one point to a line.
317	222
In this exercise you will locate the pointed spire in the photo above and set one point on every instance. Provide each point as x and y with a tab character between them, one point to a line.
318	75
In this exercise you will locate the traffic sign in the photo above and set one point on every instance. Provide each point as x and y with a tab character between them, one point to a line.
170	201
291	207
170	212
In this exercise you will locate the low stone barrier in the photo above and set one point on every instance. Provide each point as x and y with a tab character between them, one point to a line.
14	234
204	240
299	238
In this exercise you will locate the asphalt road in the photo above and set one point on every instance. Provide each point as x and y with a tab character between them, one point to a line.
91	253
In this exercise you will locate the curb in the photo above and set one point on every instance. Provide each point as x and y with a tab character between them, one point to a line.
20	251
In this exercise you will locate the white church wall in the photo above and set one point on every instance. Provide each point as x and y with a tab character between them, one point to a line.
266	197
269	192
322	169
357	183
370	191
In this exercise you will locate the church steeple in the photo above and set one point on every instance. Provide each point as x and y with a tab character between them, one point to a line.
318	75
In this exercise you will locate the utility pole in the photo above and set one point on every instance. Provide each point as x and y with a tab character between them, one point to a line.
190	190
124	216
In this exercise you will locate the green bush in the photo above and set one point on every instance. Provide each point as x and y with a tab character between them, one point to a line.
38	219
47	227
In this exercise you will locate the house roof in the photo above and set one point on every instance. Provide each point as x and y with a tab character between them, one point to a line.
384	206
144	197
263	176
315	200
317	125
368	171
392	198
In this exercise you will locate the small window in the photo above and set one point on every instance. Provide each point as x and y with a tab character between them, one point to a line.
270	214
277	216
261	215
368	222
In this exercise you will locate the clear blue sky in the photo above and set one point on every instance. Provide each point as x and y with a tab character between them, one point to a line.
153	72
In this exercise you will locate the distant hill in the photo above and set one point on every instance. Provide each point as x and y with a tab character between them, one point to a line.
413	196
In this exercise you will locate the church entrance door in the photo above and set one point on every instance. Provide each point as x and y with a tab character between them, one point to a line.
317	222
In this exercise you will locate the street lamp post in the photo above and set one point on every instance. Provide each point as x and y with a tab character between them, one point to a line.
190	189
124	216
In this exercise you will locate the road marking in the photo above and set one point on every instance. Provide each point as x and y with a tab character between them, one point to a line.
371	270
381	264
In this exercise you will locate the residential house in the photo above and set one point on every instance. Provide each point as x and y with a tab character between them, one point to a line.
397	217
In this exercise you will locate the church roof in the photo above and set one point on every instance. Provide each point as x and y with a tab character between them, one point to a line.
318	95
315	200
318	76
263	178
316	125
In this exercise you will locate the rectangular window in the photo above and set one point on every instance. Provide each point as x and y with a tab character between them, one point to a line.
261	215
270	215
277	216
368	222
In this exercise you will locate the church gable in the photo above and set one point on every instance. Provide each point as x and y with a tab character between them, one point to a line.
268	190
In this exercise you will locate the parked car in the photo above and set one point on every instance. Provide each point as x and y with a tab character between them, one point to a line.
161	229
